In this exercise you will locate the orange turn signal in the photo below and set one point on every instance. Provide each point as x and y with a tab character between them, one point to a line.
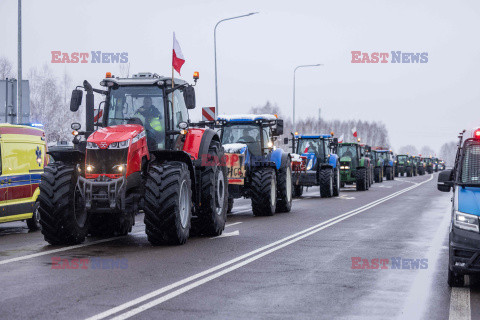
75	132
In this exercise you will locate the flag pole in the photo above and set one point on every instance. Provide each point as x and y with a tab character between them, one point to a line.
173	95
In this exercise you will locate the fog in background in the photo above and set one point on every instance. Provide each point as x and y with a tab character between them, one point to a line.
420	104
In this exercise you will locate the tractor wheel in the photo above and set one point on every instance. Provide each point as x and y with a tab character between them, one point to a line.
377	175
396	174
63	215
336	181
342	184
33	223
361	179
381	175
297	191
230	205
454	279
168	203
212	215
264	191
284	188
326	182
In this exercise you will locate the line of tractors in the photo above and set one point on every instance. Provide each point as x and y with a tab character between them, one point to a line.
140	152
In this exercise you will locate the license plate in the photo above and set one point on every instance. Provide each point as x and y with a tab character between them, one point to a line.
235	168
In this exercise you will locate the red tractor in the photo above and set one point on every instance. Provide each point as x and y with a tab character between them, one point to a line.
142	156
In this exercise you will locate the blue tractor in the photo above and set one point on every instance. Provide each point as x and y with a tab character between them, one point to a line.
256	169
315	163
388	162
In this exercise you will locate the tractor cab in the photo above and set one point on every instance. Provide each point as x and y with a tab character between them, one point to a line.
388	159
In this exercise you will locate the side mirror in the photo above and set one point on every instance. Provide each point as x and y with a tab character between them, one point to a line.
278	130
368	148
285	140
182	125
189	97
445	181
76	126
76	100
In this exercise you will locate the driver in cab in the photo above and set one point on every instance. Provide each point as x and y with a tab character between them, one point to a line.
151	118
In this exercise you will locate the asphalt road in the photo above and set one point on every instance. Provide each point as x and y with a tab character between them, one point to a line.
309	263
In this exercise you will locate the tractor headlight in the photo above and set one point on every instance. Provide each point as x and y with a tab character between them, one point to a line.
120	168
138	137
90	168
466	221
92	145
344	167
119	145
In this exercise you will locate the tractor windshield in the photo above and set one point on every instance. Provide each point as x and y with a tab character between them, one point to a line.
471	163
347	151
383	155
243	133
315	146
139	105
402	159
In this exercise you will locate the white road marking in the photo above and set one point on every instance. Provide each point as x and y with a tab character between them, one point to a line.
228	234
344	197
232	224
460	304
43	253
236	263
416	302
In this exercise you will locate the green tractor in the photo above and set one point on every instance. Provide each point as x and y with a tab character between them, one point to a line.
420	165
429	164
403	165
378	164
413	164
355	166
388	162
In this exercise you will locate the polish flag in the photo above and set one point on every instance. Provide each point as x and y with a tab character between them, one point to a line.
354	132
306	149
178	60
340	140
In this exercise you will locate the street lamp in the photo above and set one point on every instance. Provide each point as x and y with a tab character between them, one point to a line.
215	50
294	71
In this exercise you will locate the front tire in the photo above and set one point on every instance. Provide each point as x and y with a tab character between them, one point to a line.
284	187
336	181
214	197
326	182
264	191
297	191
33	223
361	179
168	203
230	205
63	215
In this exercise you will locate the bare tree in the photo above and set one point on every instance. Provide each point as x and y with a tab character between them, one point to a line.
49	105
426	151
408	149
6	68
448	152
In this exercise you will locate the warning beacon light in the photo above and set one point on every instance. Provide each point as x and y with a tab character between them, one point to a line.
108	75
476	134
196	76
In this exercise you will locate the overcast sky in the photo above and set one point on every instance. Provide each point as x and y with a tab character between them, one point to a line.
421	104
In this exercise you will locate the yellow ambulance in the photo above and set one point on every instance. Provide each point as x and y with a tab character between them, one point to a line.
22	158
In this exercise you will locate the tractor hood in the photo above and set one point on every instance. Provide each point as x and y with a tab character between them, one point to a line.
115	134
346	159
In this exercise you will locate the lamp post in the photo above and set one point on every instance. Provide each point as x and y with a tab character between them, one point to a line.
215	52
294	72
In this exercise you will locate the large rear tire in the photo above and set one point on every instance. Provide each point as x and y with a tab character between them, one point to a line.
284	187
326	182
63	215
336	181
264	191
377	175
361	179
230	205
297	191
168	203
212	215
